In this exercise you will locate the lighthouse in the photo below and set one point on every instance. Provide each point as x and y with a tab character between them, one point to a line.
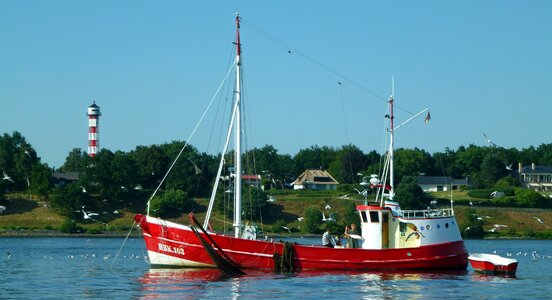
93	129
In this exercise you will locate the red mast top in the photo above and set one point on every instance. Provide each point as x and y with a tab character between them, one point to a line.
238	44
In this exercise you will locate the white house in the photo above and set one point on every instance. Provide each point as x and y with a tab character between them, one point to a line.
315	179
439	183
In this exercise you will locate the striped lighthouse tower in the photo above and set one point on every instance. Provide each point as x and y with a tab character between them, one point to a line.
93	129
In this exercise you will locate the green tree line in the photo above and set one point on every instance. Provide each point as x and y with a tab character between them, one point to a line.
126	179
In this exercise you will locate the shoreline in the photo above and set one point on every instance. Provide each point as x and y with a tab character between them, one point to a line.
54	233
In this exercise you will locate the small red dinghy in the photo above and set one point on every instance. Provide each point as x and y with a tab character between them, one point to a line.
493	264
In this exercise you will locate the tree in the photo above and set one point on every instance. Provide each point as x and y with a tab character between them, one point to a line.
314	157
312	219
410	195
348	162
75	161
254	203
40	182
151	165
412	162
170	203
492	169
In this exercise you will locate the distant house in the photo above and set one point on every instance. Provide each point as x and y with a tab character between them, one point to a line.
252	180
62	179
315	179
538	178
440	183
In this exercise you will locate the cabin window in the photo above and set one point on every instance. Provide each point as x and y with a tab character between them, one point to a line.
446	225
374	217
402	228
363	216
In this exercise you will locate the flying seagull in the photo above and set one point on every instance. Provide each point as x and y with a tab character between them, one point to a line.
7	177
540	221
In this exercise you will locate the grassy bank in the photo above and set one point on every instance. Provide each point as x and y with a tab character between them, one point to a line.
26	215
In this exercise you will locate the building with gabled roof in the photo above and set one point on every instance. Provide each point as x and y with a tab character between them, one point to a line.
440	183
315	179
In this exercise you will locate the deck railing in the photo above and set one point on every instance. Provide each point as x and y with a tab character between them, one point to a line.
426	213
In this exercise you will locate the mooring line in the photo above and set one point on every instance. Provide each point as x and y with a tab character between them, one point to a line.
119	252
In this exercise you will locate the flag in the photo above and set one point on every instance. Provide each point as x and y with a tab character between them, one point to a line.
427	118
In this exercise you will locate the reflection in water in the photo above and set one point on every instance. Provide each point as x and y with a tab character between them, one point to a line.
201	283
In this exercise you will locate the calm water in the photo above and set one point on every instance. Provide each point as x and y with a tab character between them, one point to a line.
76	268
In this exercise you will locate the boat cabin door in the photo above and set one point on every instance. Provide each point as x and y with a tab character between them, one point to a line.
375	227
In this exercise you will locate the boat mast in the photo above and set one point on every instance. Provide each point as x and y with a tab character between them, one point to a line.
391	148
237	132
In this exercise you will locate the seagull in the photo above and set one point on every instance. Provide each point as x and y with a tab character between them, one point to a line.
346	196
116	212
138	187
28	153
540	221
496	227
489	140
90	214
2	209
329	219
509	167
467	228
300	219
285	227
83	189
327	207
471	203
7	177
364	193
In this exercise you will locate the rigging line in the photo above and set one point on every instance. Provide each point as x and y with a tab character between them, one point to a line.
346	131
119	252
189	138
292	50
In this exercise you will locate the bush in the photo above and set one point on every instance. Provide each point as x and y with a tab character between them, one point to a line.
170	204
93	230
70	226
529	198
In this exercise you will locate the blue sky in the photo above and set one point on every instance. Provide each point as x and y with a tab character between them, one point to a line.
152	67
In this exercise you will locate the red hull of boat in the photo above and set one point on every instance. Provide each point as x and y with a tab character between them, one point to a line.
490	268
179	246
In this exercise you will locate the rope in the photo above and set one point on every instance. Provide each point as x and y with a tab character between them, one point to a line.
225	263
228	267
118	252
284	263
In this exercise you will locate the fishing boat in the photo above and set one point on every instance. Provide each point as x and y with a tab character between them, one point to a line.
493	264
391	239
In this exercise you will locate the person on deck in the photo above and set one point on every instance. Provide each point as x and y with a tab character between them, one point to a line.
351	242
328	239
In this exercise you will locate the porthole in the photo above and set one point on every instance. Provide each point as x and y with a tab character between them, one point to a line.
438	226
446	225
428	227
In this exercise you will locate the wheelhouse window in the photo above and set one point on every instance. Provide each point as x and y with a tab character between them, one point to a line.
363	216
374	217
